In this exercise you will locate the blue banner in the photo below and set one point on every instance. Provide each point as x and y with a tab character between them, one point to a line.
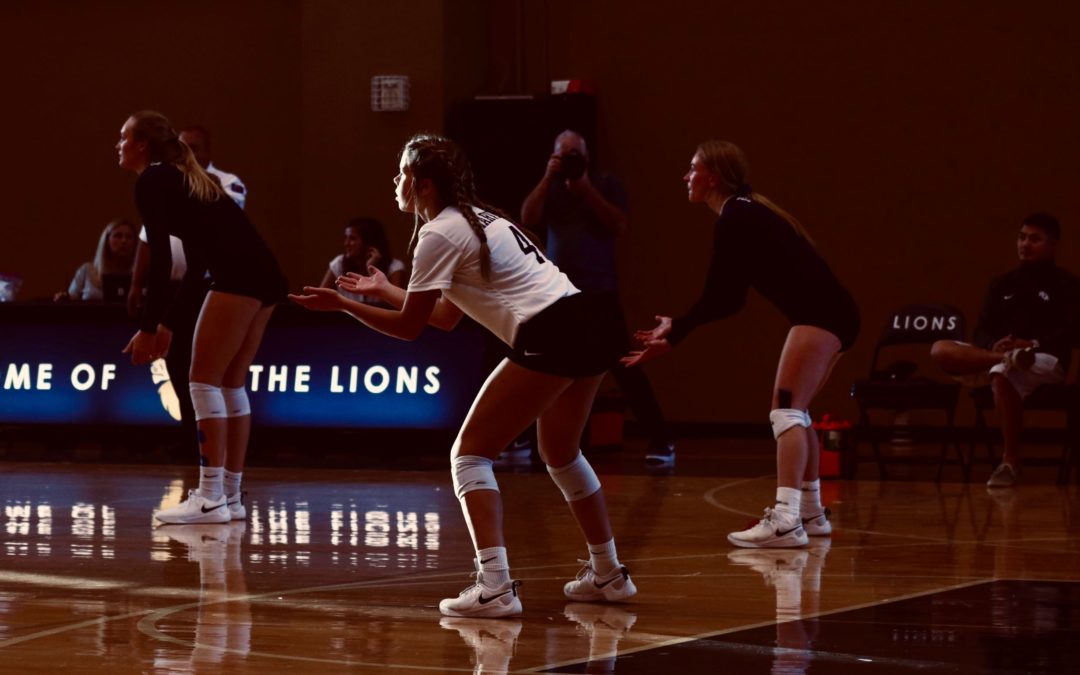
330	373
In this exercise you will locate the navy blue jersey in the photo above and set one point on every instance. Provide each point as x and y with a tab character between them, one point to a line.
753	247
1038	301
217	237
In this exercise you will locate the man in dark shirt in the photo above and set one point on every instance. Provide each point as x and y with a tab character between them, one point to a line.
582	212
1024	336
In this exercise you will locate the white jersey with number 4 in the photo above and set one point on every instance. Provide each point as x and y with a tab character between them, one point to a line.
522	282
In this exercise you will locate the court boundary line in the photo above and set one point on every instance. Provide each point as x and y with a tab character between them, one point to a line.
425	578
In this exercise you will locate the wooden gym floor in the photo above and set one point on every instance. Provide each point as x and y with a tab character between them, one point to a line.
341	571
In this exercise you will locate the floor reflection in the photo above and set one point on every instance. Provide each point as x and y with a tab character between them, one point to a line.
795	575
492	641
338	572
605	625
281	532
222	622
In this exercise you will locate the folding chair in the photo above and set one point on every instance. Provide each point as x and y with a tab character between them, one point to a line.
900	387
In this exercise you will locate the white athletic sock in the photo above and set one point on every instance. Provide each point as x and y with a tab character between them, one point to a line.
787	504
494	567
210	482
232	482
810	499
603	558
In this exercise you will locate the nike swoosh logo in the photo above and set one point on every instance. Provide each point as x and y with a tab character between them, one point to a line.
484	562
1009	296
607	582
206	510
528	353
484	601
787	532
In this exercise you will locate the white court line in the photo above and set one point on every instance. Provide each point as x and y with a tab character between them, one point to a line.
760	624
143	612
440	577
710	497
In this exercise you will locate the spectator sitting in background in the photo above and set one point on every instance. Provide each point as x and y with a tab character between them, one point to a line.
115	255
1024	337
366	246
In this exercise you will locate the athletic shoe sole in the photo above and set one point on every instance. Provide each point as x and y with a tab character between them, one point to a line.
216	516
606	594
792	540
485	611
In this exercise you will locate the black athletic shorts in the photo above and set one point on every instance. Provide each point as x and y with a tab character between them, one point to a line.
580	335
268	287
839	316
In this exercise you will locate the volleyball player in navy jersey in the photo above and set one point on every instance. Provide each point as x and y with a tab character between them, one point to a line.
469	258
175	196
757	244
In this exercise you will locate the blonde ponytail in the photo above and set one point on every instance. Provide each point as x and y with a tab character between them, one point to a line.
165	146
201	185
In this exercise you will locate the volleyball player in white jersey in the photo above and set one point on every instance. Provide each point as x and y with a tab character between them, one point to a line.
468	258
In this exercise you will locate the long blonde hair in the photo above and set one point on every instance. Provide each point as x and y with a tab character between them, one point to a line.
104	260
727	161
165	146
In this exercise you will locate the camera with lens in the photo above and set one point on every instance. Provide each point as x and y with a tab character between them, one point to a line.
572	165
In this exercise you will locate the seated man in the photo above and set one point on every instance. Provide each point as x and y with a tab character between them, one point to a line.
1024	336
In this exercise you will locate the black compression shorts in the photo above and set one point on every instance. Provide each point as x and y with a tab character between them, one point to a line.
578	336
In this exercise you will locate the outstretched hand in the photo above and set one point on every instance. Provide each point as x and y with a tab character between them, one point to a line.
654	343
372	285
662	330
318	299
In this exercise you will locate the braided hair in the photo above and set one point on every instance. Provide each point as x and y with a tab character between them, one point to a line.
443	162
164	145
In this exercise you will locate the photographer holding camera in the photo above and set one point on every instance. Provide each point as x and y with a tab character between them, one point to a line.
580	212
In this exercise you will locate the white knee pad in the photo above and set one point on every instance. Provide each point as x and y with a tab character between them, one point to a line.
577	480
783	419
207	400
236	401
473	472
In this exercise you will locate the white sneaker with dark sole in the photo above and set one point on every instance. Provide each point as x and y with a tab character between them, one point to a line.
480	601
236	506
819	525
196	509
769	532
589	586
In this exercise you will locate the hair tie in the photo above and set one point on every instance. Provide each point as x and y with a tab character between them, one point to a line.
744	190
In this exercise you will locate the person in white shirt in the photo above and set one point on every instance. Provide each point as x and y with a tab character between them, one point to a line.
115	255
365	246
470	259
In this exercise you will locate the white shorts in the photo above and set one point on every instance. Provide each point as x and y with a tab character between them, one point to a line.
1046	370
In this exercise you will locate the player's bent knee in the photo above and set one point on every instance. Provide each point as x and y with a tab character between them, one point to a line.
236	401
783	419
472	472
207	400
576	480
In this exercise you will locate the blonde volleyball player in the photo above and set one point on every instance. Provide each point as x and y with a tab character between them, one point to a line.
176	196
757	244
